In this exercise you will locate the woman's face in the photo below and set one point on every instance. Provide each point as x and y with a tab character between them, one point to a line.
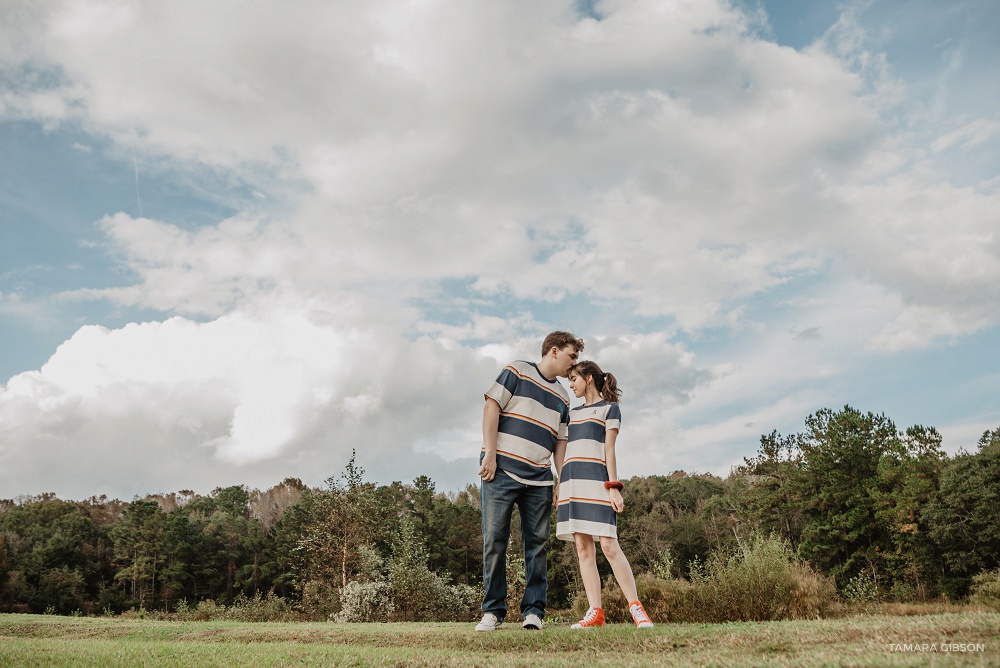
577	383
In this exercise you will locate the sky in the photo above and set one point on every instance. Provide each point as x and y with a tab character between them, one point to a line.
240	240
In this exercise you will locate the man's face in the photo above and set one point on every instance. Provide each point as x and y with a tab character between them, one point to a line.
565	358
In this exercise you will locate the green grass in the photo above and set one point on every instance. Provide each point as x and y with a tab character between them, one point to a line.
32	640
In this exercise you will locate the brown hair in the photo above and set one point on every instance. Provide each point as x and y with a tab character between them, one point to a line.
560	340
606	383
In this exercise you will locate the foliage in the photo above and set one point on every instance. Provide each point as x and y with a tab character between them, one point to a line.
370	601
986	589
861	589
762	580
886	513
908	479
405	589
962	519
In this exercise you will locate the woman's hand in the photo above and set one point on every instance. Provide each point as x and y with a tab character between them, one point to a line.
616	500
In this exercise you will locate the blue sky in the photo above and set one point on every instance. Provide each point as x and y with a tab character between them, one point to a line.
231	255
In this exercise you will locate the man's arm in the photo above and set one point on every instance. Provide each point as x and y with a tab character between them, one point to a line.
491	422
558	457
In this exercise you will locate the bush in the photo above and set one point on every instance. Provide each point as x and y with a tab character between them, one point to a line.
762	582
111	598
208	610
861	589
268	608
366	602
986	589
753	584
813	595
59	590
320	600
404	589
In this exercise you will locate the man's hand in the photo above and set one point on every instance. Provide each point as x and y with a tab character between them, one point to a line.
488	470
616	501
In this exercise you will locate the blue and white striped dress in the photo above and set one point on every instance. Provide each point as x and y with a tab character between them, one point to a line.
584	503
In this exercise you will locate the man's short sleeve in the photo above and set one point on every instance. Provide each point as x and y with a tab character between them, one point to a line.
614	418
563	424
503	387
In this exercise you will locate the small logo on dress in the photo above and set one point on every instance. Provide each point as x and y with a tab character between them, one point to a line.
593	412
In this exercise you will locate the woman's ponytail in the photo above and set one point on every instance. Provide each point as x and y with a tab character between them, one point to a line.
606	383
610	391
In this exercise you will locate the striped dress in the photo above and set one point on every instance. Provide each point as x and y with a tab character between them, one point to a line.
584	503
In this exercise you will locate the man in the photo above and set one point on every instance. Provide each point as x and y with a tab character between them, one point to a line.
525	422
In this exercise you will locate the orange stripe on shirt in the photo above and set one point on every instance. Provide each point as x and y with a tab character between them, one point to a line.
588	419
583	459
603	502
532	380
519	458
531	420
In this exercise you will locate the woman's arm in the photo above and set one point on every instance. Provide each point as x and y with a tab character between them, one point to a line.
609	459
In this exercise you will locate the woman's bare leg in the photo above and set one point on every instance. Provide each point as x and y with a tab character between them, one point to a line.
619	565
586	551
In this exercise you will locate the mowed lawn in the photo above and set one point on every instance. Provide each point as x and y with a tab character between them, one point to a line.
877	640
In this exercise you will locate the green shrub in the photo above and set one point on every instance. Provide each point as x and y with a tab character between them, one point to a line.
986	589
515	579
365	602
861	589
403	588
813	595
320	600
761	582
59	591
208	610
260	608
752	584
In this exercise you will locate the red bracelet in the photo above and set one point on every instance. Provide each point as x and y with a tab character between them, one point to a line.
614	485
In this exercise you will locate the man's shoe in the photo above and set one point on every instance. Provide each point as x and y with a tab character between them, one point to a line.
489	622
533	622
639	615
594	617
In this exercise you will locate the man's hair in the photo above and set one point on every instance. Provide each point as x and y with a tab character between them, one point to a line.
560	340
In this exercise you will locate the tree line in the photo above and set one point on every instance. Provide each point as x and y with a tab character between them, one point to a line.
882	511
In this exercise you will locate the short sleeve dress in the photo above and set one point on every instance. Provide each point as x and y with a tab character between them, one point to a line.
584	503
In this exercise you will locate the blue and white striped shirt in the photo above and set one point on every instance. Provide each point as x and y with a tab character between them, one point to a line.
534	414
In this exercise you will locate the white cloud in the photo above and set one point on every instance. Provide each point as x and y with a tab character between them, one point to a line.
664	159
254	394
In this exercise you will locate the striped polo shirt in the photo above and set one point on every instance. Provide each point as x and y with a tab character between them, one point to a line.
534	414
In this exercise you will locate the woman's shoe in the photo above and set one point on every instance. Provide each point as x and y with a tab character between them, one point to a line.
639	615
594	617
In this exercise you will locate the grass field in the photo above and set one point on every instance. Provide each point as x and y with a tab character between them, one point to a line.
869	640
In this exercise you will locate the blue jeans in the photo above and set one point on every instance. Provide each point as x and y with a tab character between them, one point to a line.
497	499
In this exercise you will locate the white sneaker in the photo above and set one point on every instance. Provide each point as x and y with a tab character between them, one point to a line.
488	623
533	623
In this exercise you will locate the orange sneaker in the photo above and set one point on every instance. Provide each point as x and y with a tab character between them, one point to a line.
594	617
639	615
